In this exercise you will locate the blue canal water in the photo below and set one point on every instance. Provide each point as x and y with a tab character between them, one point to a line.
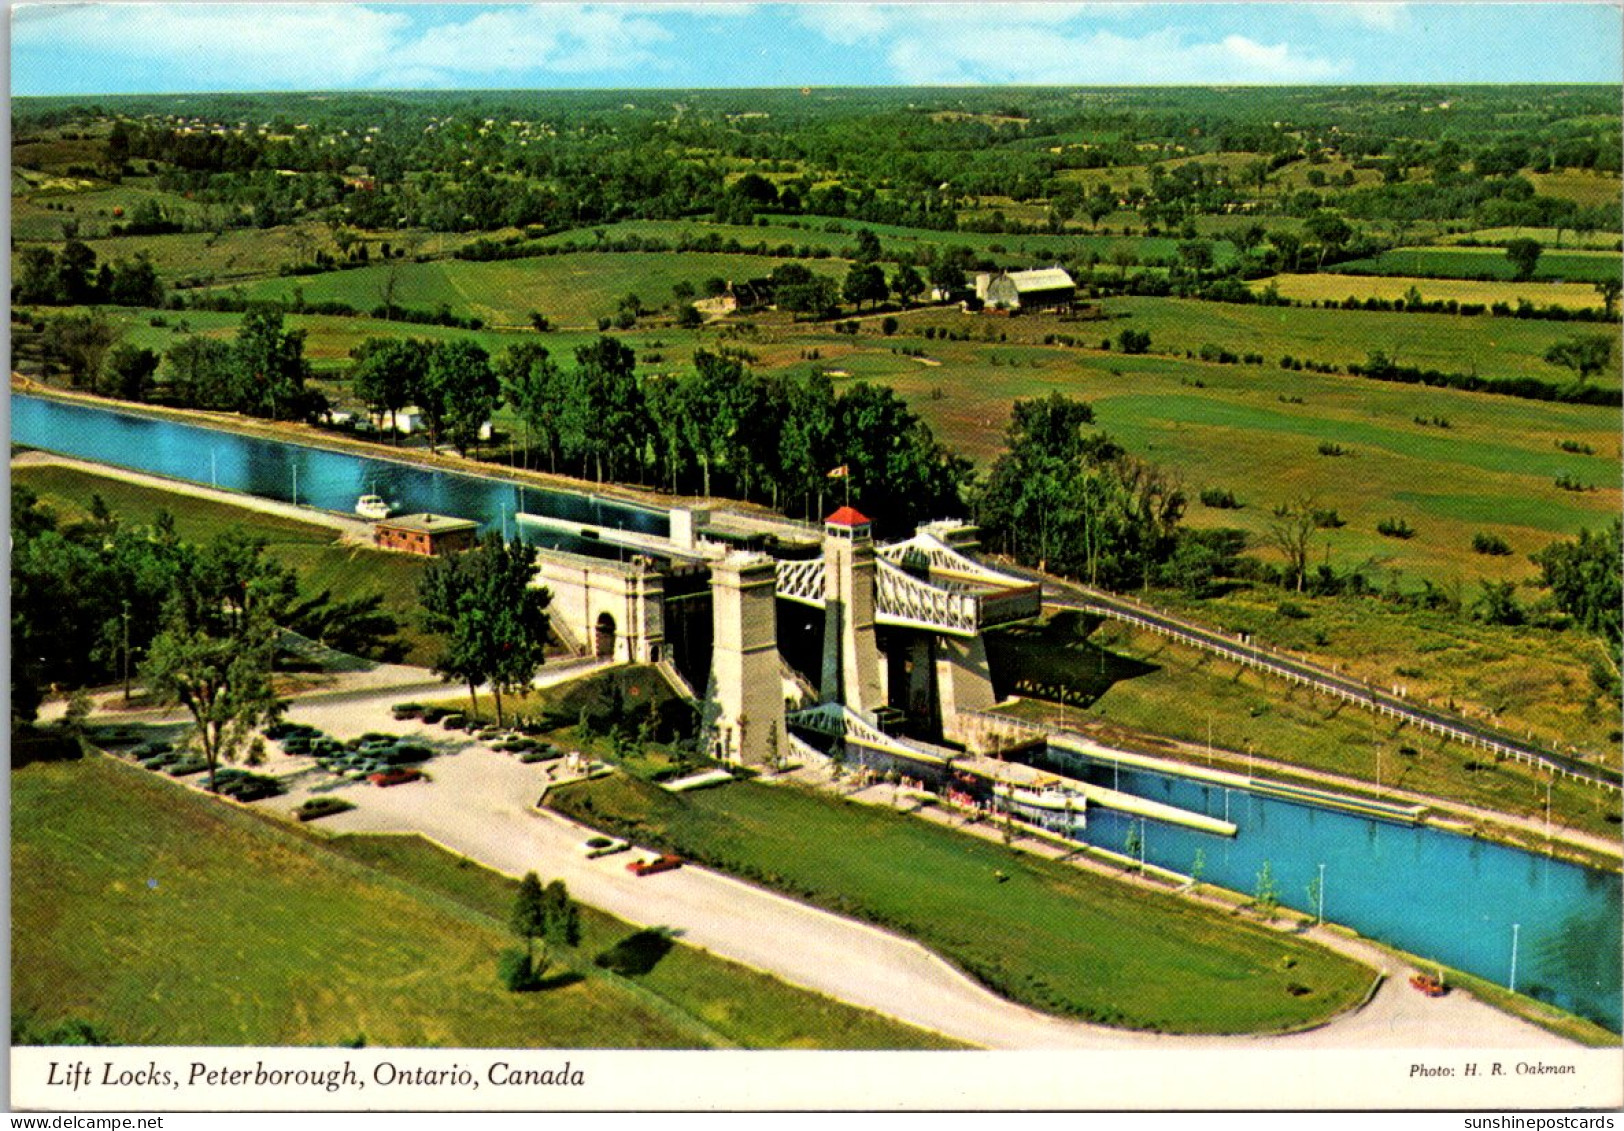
326	479
1440	895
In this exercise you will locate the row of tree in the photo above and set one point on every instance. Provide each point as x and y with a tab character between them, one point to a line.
72	277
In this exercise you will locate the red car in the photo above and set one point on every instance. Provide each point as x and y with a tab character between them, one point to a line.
395	777
659	864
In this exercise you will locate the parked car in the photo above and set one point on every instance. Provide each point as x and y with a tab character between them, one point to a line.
395	777
664	863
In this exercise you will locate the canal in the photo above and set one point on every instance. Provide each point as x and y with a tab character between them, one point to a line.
316	477
1451	898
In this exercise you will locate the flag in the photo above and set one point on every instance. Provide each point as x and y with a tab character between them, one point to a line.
840	472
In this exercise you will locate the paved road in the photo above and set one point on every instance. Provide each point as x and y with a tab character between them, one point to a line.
480	804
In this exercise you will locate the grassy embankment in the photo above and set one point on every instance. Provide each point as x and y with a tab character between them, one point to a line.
1138	689
1048	934
207	925
316	558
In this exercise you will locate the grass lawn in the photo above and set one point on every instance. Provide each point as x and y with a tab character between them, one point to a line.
1051	936
310	551
748	1008
1125	685
201	924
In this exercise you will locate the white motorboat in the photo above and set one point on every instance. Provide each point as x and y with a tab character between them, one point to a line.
372	507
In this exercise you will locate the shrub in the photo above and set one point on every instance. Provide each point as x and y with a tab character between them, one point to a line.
1219	499
1328	520
1576	447
318	807
1327	448
888	326
517	973
1490	544
1395	528
1292	611
636	953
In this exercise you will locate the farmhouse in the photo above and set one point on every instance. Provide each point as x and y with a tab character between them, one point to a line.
1049	288
431	535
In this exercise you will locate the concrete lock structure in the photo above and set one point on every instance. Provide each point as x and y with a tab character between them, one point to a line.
901	624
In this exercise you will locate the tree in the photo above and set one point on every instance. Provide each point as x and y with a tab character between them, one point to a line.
128	372
1609	289
906	284
1291	529
1524	256
560	918
1330	231
1267	892
688	316
79	343
604	418
214	652
868	247
864	282
463	390
270	365
493	620
533	385
199	373
389	375
529	915
1587	355
1584	576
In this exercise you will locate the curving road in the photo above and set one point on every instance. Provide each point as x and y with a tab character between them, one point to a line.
480	804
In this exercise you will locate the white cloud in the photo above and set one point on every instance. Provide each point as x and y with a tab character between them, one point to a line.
1377	14
1053	44
541	38
307	46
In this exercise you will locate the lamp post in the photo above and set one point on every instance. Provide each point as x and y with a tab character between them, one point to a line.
126	653
1512	984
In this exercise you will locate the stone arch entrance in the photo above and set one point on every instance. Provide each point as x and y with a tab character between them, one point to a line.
603	637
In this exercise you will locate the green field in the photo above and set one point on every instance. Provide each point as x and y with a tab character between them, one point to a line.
1050	935
1137	689
572	290
200	924
1489	347
1338	288
1485	263
312	552
1493	469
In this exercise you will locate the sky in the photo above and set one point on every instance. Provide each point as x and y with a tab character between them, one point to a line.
113	48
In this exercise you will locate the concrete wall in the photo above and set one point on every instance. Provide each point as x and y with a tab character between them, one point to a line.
584	589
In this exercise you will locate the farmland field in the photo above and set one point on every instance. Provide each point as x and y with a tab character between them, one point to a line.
1485	263
572	290
1335	288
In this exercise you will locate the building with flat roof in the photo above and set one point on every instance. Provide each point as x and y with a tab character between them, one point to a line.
431	535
